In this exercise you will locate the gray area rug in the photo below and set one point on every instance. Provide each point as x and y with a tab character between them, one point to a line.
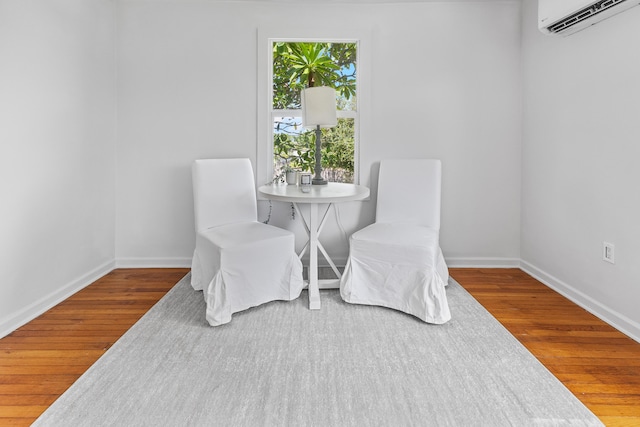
346	365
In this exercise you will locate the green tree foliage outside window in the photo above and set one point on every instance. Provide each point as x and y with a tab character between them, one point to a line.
297	66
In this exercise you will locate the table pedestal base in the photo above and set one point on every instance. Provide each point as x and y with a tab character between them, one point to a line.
313	228
314	296
330	193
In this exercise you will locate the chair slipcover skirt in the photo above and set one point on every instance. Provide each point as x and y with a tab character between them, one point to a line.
399	266
243	265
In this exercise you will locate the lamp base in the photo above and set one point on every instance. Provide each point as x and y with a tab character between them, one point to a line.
318	181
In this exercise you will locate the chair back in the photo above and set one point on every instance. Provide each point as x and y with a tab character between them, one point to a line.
224	192
409	191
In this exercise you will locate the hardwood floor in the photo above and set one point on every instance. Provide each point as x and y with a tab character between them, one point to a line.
39	361
600	365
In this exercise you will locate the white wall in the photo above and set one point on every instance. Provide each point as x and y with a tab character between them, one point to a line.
580	174
56	151
445	83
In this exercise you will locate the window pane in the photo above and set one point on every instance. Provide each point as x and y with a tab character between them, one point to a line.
297	65
338	152
294	146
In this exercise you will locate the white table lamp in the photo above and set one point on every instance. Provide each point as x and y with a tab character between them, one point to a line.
319	111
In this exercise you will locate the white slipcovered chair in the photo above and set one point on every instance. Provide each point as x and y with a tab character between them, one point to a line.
397	262
238	262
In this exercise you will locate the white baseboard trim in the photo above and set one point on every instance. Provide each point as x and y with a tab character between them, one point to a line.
478	262
15	320
153	262
451	262
454	262
616	320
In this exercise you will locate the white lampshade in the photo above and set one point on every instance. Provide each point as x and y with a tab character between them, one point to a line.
319	107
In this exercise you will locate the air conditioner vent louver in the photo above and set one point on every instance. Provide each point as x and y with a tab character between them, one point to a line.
583	14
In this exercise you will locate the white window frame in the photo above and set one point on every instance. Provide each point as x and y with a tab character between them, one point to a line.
266	114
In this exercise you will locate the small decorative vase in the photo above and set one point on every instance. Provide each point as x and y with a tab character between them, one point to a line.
292	178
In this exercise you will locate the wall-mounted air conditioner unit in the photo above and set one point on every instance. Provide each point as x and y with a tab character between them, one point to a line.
568	16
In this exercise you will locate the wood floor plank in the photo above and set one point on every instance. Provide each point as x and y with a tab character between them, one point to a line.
20	411
614	421
28	400
14	369
600	365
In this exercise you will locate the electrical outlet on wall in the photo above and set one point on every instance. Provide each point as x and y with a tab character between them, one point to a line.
607	252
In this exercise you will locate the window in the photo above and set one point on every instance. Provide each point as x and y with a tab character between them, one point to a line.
281	139
297	65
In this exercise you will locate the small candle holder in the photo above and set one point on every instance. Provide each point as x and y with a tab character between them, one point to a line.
305	182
